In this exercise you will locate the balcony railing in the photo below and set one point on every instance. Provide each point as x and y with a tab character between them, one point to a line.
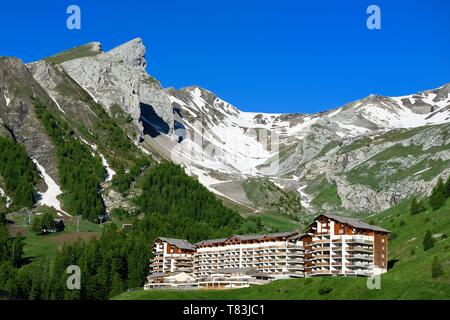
359	257
359	249
359	240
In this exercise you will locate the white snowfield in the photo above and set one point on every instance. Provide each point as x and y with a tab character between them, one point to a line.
397	115
235	144
50	197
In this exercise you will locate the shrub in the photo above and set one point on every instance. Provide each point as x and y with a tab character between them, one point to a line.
416	206
43	223
119	213
323	291
392	236
428	241
436	268
447	188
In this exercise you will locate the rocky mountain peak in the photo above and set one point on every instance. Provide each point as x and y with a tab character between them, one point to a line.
131	53
375	98
95	46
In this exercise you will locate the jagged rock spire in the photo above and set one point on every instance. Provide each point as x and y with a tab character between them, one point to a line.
131	53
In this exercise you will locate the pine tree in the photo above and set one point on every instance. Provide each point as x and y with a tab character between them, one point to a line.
447	188
2	218
117	285
428	241
18	172
37	225
414	208
417	206
43	223
437	198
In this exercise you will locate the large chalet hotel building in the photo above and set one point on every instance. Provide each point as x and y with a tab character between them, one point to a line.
331	245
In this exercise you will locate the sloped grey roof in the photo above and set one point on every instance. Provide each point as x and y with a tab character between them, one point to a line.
179	243
354	222
296	236
262	236
211	241
183	244
246	237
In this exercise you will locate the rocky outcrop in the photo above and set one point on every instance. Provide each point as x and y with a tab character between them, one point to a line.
118	77
67	95
18	115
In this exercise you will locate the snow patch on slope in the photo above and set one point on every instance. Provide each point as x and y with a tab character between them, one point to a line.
57	104
8	199
197	99
406	118
305	199
7	99
202	177
176	100
206	180
110	173
50	197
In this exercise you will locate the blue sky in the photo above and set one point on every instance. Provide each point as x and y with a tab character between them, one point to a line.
268	56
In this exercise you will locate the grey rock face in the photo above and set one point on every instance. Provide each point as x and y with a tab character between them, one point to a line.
131	53
18	115
118	77
45	74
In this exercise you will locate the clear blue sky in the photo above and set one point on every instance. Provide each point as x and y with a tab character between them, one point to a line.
271	56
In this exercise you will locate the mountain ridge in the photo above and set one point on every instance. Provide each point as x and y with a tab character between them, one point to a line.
339	150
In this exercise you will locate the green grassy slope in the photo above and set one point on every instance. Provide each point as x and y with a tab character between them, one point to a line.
409	278
37	246
386	168
307	289
75	53
279	223
325	195
265	195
